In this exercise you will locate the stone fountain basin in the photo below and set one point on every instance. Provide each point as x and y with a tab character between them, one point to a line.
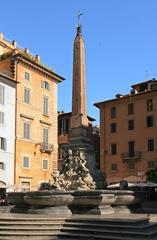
48	198
92	198
125	197
16	198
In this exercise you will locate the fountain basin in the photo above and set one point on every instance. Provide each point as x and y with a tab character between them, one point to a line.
17	199
126	201
92	202
49	202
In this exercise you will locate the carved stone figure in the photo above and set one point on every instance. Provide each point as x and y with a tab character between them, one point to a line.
74	174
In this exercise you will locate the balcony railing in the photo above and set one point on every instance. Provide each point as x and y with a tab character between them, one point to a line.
46	148
131	156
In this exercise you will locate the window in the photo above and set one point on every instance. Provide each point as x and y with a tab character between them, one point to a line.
149	105
2	165
2	93
130	108
131	148
27	76
113	112
149	121
113	127
45	85
63	126
152	164
25	162
151	145
130	125
27	95
25	186
3	143
45	135
114	167
45	105
45	164
1	117
113	148
131	165
26	130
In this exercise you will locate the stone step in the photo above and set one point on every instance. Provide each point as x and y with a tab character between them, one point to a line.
80	236
130	222
141	227
29	228
28	233
29	237
35	224
112	232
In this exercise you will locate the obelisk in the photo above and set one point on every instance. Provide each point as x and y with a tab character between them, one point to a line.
80	138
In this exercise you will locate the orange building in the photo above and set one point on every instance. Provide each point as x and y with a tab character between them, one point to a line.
128	133
36	146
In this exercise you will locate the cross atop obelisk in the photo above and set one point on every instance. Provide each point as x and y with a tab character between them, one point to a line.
79	16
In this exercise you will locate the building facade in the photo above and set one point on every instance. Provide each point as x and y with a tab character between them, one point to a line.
7	132
36	146
128	133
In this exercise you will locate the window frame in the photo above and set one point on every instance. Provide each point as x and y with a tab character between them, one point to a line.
27	73
130	108
151	145
2	94
23	160
2	118
24	130
45	105
113	127
27	94
113	149
150	121
47	164
131	126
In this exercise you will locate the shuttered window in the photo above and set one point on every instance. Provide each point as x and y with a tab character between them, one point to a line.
45	135
3	143
26	95
26	130
1	117
2	94
45	105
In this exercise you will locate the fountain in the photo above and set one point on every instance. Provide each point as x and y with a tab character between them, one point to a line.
72	190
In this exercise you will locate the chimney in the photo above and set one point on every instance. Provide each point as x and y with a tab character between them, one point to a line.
26	50
37	57
1	36
14	43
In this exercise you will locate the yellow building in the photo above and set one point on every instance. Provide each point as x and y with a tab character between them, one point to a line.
36	145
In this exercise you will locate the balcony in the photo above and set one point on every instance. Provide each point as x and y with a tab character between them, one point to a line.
46	148
131	156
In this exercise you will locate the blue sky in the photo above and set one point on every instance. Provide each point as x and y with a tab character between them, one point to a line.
120	42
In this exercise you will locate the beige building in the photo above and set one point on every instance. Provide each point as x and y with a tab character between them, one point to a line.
36	145
128	133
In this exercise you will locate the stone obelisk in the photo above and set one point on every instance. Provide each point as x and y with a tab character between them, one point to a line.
80	138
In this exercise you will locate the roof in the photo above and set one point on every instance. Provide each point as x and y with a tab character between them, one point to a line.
5	78
68	114
30	58
145	82
97	104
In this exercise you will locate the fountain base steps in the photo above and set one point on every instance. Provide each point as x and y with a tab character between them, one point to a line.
28	226
120	229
